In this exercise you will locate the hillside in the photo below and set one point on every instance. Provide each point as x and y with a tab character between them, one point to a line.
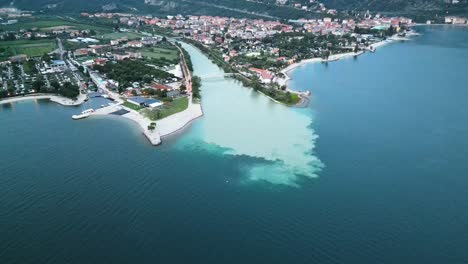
262	8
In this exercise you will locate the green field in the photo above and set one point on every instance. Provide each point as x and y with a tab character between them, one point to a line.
32	48
176	106
158	53
47	23
117	35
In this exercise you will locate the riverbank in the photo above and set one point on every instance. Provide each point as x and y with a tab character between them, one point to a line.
52	97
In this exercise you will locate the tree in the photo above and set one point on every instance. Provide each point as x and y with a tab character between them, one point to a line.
3	93
147	79
152	126
46	58
11	90
55	85
69	90
38	85
196	83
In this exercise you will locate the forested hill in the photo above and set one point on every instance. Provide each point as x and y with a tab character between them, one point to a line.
397	5
265	8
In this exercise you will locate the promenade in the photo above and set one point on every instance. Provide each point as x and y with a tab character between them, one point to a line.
52	97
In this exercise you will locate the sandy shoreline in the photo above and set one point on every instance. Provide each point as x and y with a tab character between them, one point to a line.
335	57
52	97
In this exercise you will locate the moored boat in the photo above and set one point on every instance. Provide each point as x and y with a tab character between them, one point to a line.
83	114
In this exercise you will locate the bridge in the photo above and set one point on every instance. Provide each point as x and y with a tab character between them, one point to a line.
216	77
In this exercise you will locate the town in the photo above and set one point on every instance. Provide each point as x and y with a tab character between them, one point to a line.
137	62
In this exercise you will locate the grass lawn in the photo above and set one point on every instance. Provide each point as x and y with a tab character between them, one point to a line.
294	99
176	106
32	48
158	53
117	35
132	106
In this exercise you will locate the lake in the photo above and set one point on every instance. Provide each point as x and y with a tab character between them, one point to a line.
372	171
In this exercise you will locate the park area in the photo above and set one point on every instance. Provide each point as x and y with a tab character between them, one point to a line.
119	35
169	108
31	48
160	53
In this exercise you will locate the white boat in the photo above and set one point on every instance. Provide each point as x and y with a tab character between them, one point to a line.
83	114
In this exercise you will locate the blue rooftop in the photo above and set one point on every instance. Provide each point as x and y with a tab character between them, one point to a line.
142	100
151	101
138	99
58	62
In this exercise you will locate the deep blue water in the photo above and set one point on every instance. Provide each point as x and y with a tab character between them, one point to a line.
392	139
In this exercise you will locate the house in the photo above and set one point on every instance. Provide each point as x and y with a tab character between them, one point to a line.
135	44
100	61
18	58
81	52
145	102
173	93
114	42
58	65
158	86
153	103
264	75
137	100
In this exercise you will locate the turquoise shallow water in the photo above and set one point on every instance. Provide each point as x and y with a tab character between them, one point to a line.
240	122
374	171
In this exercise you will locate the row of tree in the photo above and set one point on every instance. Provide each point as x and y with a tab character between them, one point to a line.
68	89
128	71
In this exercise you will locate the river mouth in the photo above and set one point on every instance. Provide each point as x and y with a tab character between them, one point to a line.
241	122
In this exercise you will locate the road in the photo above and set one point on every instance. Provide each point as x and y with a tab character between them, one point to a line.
186	73
60	45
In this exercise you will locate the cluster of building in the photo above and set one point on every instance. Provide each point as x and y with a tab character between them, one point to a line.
456	20
117	50
344	26
120	49
223	32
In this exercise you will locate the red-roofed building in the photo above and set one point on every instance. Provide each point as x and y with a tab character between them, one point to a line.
81	52
100	61
158	86
135	44
264	75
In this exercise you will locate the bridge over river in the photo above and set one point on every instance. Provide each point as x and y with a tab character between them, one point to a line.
216	77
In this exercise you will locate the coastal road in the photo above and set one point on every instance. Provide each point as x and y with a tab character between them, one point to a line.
186	73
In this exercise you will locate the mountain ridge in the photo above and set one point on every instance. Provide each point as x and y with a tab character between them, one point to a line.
268	8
